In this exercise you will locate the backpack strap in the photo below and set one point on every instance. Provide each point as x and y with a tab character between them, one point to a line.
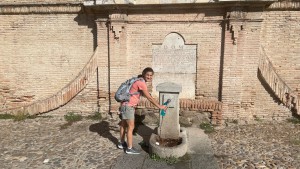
135	93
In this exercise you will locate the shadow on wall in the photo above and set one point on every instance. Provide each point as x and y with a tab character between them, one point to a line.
223	25
89	21
267	87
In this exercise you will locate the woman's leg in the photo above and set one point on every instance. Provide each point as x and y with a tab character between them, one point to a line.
123	125
130	124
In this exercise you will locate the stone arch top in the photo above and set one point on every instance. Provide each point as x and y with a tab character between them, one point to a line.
174	56
174	61
173	41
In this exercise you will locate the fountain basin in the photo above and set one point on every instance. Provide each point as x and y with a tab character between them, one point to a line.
175	151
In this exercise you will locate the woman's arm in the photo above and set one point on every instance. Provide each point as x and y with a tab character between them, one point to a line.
152	100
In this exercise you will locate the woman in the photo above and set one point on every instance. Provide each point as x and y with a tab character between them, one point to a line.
128	109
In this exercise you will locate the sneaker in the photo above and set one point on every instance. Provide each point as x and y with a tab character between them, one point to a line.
131	151
122	145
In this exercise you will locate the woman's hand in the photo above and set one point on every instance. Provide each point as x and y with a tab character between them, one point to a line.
163	107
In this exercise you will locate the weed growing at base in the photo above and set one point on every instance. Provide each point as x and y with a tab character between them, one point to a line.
20	116
6	116
95	116
295	142
207	127
72	117
294	120
169	160
257	119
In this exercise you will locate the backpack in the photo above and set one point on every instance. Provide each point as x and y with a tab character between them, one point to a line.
122	94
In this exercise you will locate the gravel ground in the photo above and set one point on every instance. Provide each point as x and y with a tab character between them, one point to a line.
41	144
261	145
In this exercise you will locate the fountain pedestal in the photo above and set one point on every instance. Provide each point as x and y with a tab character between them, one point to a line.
169	128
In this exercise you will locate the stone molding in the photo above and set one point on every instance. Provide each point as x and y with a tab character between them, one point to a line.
117	23
284	5
16	8
236	18
40	9
160	2
102	23
235	28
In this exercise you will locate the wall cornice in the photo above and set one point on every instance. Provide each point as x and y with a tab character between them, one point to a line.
40	9
284	5
167	2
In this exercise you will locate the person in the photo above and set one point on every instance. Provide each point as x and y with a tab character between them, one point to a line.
127	109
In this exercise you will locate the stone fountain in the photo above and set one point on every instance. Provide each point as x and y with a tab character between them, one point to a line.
170	139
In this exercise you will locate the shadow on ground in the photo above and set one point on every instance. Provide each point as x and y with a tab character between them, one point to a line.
103	130
143	131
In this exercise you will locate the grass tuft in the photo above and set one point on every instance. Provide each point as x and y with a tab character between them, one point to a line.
295	142
294	120
6	116
72	117
207	127
21	116
257	119
95	116
169	160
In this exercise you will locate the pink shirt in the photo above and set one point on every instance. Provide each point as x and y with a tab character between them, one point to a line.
136	87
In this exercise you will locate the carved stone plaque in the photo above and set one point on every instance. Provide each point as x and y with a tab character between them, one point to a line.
173	61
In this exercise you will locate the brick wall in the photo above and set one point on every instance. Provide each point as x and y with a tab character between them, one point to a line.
281	41
85	102
9	2
40	54
142	31
206	35
267	106
280	38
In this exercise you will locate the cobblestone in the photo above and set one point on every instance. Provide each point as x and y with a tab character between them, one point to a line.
40	143
262	145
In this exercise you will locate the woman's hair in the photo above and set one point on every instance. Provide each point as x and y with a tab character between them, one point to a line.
147	69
